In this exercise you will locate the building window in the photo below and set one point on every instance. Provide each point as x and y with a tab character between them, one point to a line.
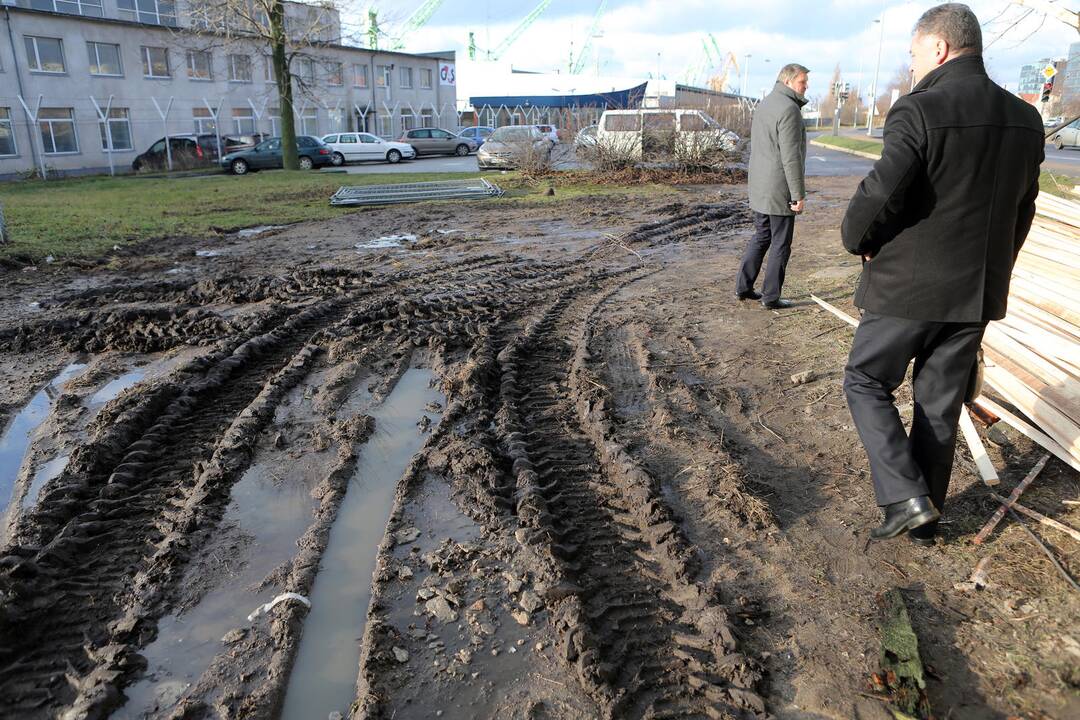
119	129
244	120
204	121
337	120
360	78
44	54
268	69
154	12
386	126
104	59
334	74
309	121
425	78
240	68
58	130
155	62
382	75
7	133
199	65
406	77
91	8
427	118
408	122
274	116
305	71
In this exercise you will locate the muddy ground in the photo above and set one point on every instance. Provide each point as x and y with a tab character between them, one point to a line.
621	505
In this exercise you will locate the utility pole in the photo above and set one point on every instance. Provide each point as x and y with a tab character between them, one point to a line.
746	74
877	72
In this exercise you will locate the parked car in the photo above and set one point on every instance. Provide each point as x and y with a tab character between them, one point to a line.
479	133
433	141
189	150
1068	136
352	147
585	138
313	153
506	146
639	130
550	131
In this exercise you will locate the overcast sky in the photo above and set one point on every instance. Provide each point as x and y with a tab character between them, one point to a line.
773	32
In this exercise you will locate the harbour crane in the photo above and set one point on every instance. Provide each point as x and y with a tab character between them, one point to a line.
416	21
579	64
510	39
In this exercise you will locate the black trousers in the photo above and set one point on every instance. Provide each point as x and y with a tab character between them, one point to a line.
920	463
772	235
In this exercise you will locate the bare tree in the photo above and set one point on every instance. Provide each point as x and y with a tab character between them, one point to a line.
900	81
289	30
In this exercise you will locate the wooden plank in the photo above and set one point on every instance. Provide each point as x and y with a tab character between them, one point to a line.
1060	397
1049	522
999	514
836	311
1029	431
978	451
1049	419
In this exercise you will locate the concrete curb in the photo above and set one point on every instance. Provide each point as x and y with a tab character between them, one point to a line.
860	153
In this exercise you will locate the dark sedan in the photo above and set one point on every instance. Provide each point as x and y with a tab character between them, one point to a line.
312	151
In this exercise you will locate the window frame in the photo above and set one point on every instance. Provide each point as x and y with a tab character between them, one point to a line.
364	67
405	72
238	118
430	78
10	122
148	65
330	75
37	55
158	17
231	59
384	75
93	46
125	120
191	55
198	119
304	117
52	134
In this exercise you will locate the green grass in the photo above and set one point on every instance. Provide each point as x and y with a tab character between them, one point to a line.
1058	184
86	217
849	143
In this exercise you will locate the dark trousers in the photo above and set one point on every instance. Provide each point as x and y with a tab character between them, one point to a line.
920	463
772	235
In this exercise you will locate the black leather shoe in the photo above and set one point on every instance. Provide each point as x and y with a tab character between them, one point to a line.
748	295
905	515
778	304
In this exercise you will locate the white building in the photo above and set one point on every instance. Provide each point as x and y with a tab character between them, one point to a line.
64	64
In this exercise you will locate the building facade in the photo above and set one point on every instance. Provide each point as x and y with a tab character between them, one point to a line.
1070	81
1031	77
86	81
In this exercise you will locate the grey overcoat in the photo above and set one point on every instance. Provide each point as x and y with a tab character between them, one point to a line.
777	152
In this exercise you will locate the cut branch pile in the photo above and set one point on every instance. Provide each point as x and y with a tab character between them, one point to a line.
1033	355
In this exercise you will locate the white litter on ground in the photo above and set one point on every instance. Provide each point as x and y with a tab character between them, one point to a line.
206	253
284	597
387	241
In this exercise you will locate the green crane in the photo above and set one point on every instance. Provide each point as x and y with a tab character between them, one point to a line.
415	21
373	28
518	31
583	55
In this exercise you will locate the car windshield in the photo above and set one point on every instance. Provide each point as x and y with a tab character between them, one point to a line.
512	134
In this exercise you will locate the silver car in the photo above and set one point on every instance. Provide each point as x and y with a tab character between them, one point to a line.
433	141
1068	136
509	145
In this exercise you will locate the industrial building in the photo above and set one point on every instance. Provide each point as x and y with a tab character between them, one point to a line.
89	84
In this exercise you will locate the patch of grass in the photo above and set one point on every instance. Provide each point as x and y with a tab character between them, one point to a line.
86	217
1058	184
849	143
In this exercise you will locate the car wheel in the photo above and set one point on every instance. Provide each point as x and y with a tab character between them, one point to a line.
393	157
1058	143
239	167
305	163
337	160
461	150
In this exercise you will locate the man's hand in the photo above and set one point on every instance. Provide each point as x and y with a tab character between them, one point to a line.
867	257
797	207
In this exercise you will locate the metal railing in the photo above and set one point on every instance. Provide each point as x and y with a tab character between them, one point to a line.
415	192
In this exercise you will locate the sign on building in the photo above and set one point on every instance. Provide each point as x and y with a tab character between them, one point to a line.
1049	71
447	74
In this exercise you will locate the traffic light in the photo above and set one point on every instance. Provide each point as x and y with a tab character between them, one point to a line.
1048	87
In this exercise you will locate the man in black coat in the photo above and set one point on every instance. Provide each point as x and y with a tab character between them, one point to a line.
938	222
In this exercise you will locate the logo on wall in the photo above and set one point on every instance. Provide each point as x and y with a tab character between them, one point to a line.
447	74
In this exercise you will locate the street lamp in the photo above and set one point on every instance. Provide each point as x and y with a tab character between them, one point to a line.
877	71
746	73
858	92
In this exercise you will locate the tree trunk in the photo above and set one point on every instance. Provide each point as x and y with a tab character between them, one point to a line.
283	76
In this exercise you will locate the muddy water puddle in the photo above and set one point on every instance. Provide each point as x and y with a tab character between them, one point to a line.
19	435
323	678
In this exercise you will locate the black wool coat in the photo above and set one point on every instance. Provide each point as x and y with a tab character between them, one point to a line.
946	209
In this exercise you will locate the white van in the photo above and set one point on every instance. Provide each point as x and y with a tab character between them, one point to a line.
631	129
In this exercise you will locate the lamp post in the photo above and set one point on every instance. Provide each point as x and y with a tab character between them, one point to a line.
858	92
746	73
877	71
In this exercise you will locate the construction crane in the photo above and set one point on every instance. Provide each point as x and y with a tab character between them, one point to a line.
719	82
510	39
416	21
579	64
373	28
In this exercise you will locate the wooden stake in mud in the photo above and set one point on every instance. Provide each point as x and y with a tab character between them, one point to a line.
1049	522
999	514
978	451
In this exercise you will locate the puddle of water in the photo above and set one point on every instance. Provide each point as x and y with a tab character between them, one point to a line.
112	389
257	230
260	528
44	474
207	253
324	677
16	439
387	241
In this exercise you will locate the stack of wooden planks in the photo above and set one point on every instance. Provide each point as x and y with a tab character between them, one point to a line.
1033	355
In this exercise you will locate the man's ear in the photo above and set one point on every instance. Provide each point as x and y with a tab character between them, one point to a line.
942	50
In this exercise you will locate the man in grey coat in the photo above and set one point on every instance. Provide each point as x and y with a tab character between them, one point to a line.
777	185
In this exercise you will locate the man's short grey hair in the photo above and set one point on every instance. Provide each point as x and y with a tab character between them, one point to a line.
954	23
790	72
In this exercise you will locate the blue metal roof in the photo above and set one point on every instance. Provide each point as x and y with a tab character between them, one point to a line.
629	98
